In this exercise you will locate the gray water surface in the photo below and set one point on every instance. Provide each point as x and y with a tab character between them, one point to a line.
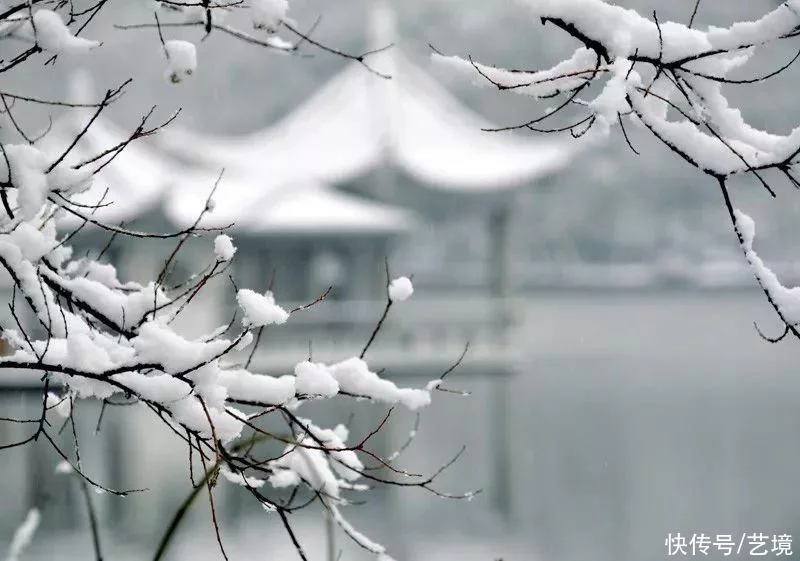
634	416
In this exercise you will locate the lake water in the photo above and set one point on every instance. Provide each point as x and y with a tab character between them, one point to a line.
634	416
640	414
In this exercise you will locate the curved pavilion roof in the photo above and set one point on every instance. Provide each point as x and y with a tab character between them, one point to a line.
292	209
360	121
140	180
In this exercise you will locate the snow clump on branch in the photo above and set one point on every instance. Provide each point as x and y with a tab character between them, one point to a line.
268	14
181	60
52	35
400	289
260	310
224	248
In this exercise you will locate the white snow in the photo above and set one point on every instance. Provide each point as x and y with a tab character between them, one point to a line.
283	478
260	388
61	405
268	14
158	342
190	14
181	59
355	377
224	248
54	36
241	479
345	462
34	243
160	388
566	75
245	200
81	386
24	535
125	308
27	171
191	413
260	310
787	300
315	379
245	341
310	466
623	33
84	354
16	24
354	534
358	122
64	468
612	100
400	289
104	273
433	384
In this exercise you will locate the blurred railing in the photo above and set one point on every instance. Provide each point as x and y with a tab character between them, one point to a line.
417	337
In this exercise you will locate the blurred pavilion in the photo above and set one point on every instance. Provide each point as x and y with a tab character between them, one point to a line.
323	198
402	140
387	134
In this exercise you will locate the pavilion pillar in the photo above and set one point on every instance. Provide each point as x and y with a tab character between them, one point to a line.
297	261
499	222
364	265
500	251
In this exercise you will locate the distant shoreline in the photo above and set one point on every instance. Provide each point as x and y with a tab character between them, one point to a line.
725	276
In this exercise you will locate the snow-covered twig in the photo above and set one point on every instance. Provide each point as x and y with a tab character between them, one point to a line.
670	79
80	331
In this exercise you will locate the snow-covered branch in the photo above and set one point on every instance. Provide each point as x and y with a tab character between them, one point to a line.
669	78
79	331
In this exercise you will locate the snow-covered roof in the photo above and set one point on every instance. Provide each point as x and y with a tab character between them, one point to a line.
140	179
359	121
302	208
136	177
